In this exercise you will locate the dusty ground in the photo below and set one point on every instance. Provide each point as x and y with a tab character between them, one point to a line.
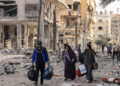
107	68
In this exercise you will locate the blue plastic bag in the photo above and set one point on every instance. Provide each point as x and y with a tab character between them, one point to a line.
48	73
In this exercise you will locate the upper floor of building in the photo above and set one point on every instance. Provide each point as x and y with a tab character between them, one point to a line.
14	10
102	17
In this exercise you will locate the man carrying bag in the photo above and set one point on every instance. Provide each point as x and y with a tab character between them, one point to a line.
40	58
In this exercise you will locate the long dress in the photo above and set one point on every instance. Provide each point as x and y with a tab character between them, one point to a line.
88	62
69	66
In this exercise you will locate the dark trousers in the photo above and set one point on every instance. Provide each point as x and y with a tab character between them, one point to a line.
115	53
119	55
39	68
89	74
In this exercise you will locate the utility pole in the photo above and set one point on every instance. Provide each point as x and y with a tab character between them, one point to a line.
76	35
84	33
40	31
54	29
39	15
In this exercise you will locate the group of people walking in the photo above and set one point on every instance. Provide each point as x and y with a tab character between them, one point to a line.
87	58
40	58
116	50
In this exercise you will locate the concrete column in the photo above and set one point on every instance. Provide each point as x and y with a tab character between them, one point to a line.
49	36
26	36
19	42
20	9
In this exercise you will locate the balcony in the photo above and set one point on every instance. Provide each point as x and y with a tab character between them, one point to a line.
70	26
70	13
8	18
70	36
31	14
71	30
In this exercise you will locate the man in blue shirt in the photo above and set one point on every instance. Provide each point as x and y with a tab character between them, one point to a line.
40	58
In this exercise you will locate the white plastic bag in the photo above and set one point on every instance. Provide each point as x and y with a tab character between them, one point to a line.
82	69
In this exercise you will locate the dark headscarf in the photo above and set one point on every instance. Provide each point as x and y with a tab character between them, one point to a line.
89	45
71	52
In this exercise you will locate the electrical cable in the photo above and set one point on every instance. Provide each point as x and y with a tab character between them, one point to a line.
8	10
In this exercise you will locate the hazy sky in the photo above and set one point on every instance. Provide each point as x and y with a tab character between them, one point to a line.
111	7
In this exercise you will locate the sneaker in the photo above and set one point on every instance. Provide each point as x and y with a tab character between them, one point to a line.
89	81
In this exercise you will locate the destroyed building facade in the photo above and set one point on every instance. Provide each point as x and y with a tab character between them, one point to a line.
19	22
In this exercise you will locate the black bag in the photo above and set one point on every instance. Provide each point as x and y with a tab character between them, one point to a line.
31	74
95	66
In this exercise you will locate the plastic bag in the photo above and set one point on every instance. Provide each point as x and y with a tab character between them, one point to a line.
78	73
48	73
82	69
31	74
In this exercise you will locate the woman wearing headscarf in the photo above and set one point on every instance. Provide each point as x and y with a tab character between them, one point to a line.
88	62
69	63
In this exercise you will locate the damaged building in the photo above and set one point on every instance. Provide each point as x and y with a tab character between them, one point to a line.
19	22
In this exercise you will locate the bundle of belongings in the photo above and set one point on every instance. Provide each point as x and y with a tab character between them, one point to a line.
81	71
112	80
48	73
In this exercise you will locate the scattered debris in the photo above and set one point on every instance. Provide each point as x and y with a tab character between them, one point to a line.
14	63
9	69
57	74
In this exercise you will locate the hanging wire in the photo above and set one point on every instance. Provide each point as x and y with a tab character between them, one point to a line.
8	10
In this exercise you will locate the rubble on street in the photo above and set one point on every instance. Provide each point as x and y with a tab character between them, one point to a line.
17	68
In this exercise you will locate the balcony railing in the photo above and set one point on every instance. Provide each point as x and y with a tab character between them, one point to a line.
70	13
31	13
70	26
7	16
